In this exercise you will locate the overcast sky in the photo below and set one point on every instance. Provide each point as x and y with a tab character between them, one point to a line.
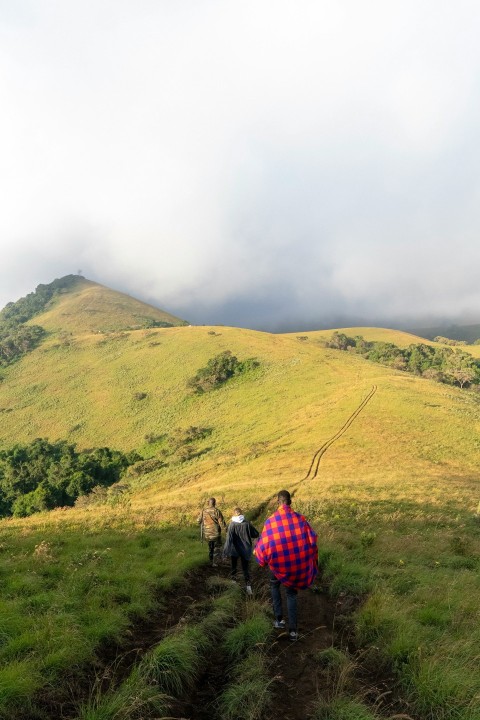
260	163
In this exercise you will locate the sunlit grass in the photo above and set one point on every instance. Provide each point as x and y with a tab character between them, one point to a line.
394	501
168	670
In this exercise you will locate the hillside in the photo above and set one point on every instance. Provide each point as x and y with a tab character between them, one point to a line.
393	499
88	307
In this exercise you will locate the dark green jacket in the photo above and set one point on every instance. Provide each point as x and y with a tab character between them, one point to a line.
212	522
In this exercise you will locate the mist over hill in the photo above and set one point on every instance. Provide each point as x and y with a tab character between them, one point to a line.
468	333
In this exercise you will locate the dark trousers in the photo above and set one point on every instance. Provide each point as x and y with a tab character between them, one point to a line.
277	602
245	568
214	550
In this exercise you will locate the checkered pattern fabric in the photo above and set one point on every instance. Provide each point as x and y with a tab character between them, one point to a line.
288	545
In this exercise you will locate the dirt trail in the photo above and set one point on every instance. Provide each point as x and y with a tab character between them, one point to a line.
315	464
114	661
295	682
295	685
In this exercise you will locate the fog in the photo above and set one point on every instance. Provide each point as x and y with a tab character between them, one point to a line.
273	165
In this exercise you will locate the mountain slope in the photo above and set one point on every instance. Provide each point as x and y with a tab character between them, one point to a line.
393	501
88	307
85	389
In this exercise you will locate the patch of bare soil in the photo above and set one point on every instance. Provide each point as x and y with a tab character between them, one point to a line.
296	685
295	682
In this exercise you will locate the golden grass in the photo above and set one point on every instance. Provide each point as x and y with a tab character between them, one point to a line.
265	429
395	494
89	308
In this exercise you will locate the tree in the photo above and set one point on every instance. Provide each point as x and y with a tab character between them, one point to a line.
43	475
462	369
218	370
340	341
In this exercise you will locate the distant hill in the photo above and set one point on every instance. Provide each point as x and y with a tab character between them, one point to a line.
469	333
84	306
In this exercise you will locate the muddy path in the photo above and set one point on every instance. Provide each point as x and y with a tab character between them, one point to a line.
294	680
114	661
297	677
295	684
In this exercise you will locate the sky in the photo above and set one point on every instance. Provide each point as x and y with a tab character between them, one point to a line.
267	163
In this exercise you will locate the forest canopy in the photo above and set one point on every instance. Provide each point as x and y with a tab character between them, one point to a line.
43	475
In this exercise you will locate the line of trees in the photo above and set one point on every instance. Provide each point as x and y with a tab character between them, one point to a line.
16	338
43	475
443	364
449	341
35	302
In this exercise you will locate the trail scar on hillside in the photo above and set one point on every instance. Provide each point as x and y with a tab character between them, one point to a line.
315	464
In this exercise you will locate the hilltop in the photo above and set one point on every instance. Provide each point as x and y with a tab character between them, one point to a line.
88	307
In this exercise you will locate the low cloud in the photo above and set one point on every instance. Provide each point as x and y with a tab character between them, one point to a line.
245	164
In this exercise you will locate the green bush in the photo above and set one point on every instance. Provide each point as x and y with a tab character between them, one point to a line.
218	370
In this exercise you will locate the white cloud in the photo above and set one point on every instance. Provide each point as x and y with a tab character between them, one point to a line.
310	156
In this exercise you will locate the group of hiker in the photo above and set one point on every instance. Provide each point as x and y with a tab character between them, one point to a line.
287	546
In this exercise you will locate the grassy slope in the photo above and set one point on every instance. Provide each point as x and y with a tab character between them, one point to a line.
90	307
393	501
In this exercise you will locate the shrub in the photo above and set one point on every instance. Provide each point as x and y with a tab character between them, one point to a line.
218	370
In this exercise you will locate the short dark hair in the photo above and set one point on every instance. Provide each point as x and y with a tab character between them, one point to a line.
284	498
211	501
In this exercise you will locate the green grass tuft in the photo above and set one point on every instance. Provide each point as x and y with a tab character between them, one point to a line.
250	693
253	633
343	709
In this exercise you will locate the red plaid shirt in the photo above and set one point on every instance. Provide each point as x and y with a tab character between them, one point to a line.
288	545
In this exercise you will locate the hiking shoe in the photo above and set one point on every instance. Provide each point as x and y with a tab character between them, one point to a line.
293	635
279	624
248	589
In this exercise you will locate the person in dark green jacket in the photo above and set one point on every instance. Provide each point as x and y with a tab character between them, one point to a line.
211	522
239	544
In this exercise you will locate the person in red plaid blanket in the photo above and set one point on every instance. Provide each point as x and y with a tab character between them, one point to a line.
288	546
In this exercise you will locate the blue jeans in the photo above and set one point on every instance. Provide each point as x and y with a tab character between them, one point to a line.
277	602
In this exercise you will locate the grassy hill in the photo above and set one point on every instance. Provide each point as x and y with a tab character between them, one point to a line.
393	501
88	307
